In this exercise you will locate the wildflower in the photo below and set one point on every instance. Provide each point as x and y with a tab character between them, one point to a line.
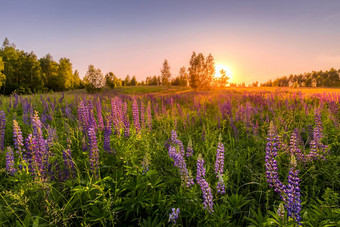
174	215
190	150
180	163
220	185
206	190
17	138
107	134
68	164
2	129
10	169
200	169
149	117
135	114
271	163
281	211
142	115
93	152
293	193
145	163
126	121
99	114
219	164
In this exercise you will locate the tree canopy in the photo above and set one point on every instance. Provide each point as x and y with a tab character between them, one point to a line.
94	79
328	78
201	71
165	73
23	72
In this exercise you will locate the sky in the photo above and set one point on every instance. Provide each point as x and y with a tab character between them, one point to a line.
257	40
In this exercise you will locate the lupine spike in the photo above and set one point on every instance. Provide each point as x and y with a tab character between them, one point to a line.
10	169
2	129
93	152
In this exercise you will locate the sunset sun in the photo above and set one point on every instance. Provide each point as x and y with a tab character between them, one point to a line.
219	67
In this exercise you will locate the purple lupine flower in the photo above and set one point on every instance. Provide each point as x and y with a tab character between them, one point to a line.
293	193
271	163
220	185
180	163
207	196
68	112
126	121
203	135
17	138
281	211
52	136
176	142
2	129
114	112
91	118
39	152
142	114
135	114
10	169
190	150
174	215
26	106
99	114
83	117
107	134
294	149
68	164
219	164
149	117
145	163
30	154
200	169
93	152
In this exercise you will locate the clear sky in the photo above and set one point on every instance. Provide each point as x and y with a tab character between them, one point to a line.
257	40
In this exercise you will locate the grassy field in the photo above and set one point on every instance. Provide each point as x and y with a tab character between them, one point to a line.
167	156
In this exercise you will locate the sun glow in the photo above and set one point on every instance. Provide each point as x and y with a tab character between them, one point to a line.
219	67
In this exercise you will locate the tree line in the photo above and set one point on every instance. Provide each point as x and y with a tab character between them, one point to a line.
199	75
328	78
24	73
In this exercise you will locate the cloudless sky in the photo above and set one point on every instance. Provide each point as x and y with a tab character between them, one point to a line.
258	40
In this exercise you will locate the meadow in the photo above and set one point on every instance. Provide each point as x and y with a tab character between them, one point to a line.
165	157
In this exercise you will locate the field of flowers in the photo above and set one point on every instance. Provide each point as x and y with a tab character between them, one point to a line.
233	158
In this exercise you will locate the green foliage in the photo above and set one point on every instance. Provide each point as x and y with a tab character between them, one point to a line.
201	71
165	73
112	81
24	73
328	78
93	80
124	195
2	76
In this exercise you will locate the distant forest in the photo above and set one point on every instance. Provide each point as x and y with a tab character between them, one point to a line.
23	73
329	78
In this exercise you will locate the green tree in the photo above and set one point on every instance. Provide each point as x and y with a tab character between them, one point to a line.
94	79
165	73
196	70
49	69
183	77
223	80
110	80
65	74
76	81
2	76
209	72
133	81
127	80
